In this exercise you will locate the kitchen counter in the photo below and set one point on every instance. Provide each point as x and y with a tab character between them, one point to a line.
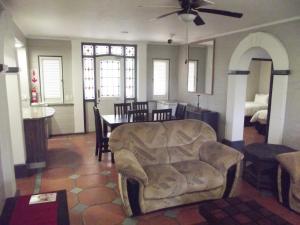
34	113
36	121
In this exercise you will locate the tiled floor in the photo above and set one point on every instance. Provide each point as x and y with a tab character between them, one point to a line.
252	136
93	197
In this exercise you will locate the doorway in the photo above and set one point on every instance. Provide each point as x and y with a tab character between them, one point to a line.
109	83
257	102
237	84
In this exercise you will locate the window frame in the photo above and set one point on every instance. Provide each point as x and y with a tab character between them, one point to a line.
196	75
41	78
94	56
166	96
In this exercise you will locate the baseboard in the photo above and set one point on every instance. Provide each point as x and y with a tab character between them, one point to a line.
239	145
21	171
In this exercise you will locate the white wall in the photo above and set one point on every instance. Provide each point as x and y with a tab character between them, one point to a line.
168	52
258	81
11	129
23	74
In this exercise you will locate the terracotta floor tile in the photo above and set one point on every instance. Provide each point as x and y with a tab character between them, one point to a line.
63	158
26	185
95	196
56	184
107	214
75	218
72	199
90	181
88	169
57	173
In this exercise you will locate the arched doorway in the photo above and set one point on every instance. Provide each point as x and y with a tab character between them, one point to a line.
247	49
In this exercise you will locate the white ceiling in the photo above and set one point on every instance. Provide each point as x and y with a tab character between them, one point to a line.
105	19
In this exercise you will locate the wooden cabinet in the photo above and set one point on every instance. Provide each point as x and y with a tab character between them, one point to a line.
210	117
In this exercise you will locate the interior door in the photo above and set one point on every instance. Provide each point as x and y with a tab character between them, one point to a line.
109	82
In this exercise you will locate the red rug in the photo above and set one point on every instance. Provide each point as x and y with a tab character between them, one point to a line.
37	214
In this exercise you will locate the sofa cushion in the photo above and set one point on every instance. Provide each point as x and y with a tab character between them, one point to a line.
185	137
164	182
147	141
200	176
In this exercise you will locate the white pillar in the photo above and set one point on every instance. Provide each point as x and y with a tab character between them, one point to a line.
6	154
77	80
235	112
277	116
142	72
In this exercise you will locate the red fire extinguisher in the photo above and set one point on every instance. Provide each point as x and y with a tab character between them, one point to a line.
34	98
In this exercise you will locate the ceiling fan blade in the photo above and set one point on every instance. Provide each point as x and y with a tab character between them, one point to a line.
199	21
220	12
204	2
168	14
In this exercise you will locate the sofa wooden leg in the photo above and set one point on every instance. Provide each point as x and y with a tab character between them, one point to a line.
230	180
133	195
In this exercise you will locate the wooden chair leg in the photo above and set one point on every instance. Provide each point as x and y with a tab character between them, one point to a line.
100	152
97	148
112	157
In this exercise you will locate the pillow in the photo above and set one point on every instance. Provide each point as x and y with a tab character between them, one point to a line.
261	99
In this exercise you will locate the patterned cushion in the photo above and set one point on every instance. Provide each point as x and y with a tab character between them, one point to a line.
146	140
200	176
185	137
164	182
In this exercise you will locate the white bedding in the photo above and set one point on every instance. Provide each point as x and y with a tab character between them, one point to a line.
260	116
252	107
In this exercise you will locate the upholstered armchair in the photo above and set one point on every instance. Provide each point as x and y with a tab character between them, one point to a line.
172	163
289	180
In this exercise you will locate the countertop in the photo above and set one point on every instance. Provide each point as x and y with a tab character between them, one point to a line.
34	113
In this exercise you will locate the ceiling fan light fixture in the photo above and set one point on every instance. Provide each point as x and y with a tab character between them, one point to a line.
187	17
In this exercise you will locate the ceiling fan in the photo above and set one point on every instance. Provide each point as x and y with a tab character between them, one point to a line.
189	11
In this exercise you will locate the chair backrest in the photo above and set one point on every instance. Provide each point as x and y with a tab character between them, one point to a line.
161	114
180	111
138	116
140	106
122	108
98	123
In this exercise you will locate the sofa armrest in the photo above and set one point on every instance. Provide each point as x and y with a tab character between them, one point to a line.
220	156
128	165
291	163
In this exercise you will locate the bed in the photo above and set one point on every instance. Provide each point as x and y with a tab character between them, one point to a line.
260	103
260	121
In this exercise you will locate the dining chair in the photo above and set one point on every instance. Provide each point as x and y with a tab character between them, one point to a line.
138	116
101	140
122	109
180	111
161	114
140	106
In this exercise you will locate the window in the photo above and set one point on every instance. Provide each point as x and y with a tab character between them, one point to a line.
90	53
160	78
51	79
110	78
192	76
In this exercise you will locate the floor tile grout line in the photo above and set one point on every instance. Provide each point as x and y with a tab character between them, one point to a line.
38	181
